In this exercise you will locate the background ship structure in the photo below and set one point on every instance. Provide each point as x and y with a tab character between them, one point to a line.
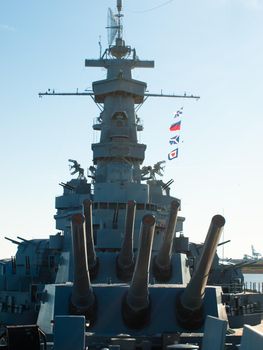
120	272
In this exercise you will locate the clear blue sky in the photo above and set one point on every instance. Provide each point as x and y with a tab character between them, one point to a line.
212	48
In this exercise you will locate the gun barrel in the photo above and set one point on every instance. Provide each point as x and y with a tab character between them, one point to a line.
225	242
162	267
82	299
23	239
190	302
125	260
12	240
93	261
136	303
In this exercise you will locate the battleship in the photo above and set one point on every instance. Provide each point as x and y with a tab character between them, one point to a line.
118	274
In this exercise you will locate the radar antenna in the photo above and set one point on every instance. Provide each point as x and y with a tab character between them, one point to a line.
114	23
112	26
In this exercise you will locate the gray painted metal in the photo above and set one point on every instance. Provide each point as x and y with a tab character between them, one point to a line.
130	220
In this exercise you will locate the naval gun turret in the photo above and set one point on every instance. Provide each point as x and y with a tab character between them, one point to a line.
113	262
135	307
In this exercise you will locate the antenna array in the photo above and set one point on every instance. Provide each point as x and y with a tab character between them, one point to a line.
114	23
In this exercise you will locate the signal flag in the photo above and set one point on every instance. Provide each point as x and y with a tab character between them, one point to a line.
173	154
175	126
174	140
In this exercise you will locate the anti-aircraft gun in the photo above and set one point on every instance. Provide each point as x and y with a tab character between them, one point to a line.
222	273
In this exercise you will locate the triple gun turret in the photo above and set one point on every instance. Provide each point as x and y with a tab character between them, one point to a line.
136	300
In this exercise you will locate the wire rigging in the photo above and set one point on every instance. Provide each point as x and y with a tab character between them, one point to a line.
155	7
